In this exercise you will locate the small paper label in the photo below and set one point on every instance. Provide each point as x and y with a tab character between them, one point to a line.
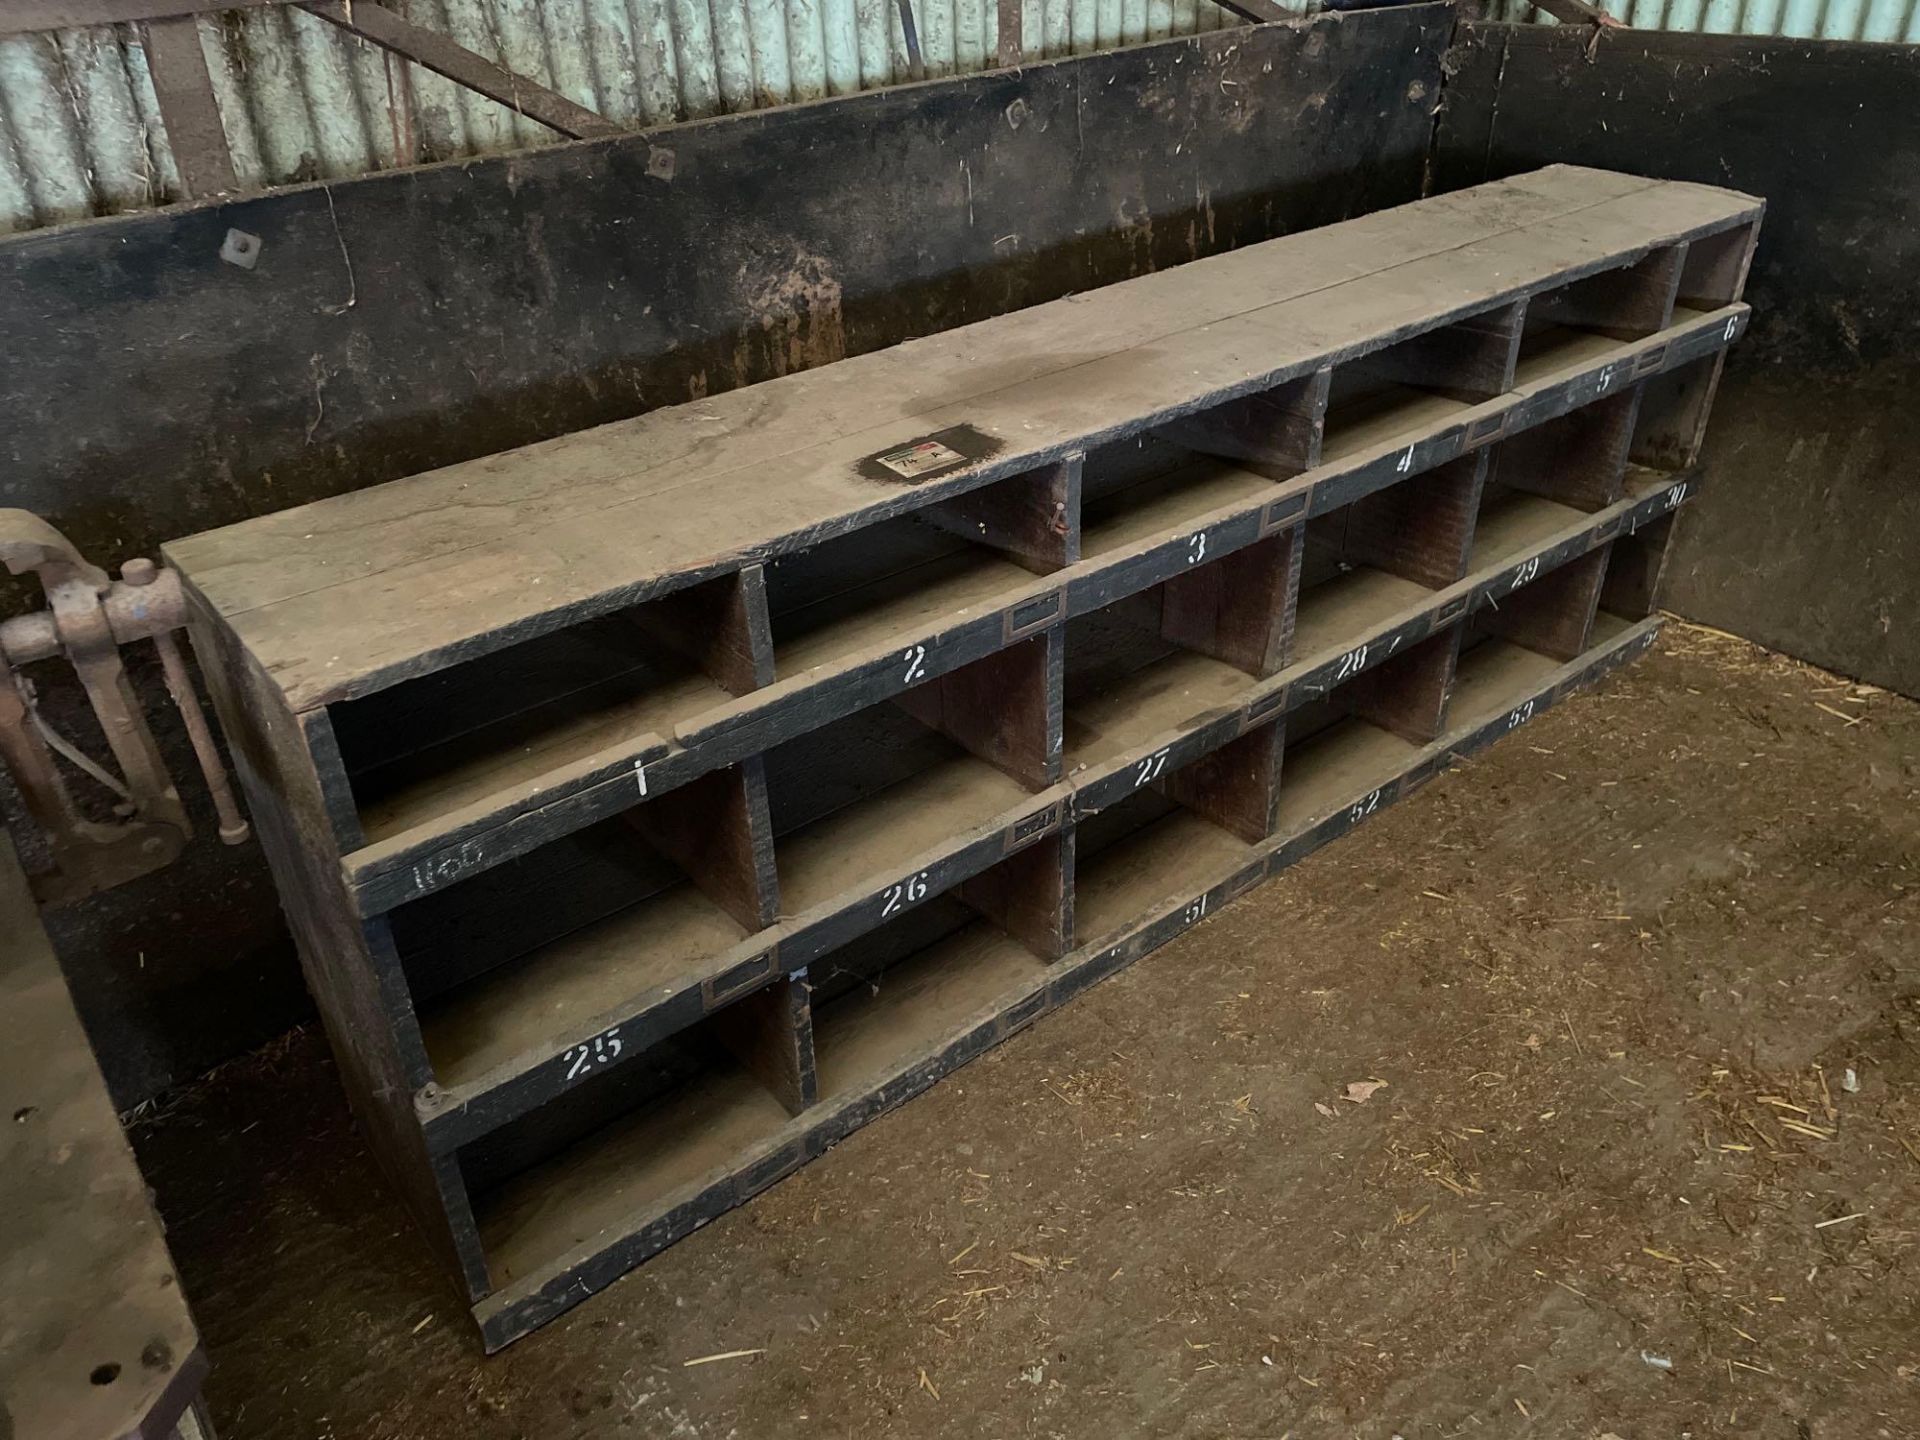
912	461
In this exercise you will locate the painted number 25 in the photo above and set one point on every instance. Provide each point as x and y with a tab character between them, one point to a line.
603	1049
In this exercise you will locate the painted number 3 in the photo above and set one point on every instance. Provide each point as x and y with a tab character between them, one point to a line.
601	1050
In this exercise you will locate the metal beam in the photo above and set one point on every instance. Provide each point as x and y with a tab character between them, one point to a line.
429	48
188	108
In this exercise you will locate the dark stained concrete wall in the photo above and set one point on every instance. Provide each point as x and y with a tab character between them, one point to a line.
395	323
1806	536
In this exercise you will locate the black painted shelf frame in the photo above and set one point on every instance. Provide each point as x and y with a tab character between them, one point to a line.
616	920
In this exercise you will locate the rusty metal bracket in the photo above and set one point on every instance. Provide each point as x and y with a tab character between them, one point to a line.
89	617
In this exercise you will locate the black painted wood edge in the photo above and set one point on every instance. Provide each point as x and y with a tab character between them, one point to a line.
430	857
456	1116
515	1310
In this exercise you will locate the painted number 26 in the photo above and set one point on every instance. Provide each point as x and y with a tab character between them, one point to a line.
907	892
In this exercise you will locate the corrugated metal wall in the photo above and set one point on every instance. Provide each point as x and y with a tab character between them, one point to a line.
80	132
1895	20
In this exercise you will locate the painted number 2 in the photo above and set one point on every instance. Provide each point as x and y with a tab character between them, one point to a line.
916	658
907	892
600	1050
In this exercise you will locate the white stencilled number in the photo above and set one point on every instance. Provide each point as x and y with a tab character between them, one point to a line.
1525	573
1675	494
603	1049
1519	717
640	775
916	658
1365	808
1606	379
907	892
1196	909
1406	462
1733	324
1351	663
1197	548
1149	769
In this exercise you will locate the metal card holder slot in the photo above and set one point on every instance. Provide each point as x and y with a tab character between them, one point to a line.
1035	614
1243	882
1024	832
777	1166
1279	514
1486	430
1608	528
1650	361
1450	612
1023	1012
748	975
1263	709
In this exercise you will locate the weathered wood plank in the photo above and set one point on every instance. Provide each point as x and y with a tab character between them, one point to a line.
403	576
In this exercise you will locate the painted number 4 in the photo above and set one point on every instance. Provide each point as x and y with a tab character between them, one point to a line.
907	892
600	1050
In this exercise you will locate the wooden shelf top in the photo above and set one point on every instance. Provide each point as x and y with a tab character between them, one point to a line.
345	596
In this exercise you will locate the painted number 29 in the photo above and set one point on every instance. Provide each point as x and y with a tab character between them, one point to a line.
907	892
1525	573
600	1050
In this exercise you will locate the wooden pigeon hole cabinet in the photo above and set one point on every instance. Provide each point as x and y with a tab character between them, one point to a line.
657	804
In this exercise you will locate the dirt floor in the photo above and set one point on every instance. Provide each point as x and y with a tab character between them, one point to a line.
1640	992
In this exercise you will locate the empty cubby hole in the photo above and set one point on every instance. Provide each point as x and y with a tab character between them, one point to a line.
495	725
856	798
1177	834
1672	416
1501	676
539	946
1552	613
858	593
1274	432
635	1129
1354	739
1154	661
1139	489
895	996
1370	560
1715	271
1584	321
1422	382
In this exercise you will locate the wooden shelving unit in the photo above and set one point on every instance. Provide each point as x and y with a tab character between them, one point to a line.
655	805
